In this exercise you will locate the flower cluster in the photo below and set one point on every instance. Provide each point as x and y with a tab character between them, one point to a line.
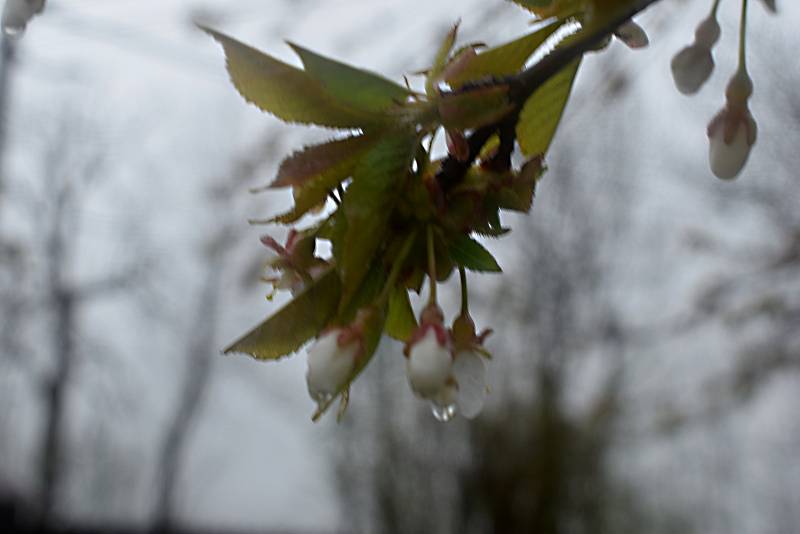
396	215
446	367
732	132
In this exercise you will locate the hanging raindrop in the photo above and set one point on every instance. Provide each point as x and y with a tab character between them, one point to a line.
13	31
321	397
444	413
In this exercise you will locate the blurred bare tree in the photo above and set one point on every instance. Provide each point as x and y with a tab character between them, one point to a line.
202	346
40	287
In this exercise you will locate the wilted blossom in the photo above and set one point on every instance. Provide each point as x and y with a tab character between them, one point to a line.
692	66
733	131
17	14
331	361
295	264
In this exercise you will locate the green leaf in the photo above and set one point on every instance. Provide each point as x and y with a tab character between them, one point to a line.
400	321
542	113
503	60
358	88
440	61
365	295
368	203
298	321
518	195
473	109
469	253
287	92
373	328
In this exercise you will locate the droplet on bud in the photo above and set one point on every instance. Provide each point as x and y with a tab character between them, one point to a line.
13	31
443	414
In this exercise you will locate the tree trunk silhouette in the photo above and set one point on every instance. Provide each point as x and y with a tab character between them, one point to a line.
197	377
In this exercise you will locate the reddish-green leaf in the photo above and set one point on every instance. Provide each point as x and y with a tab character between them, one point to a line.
316	170
476	108
503	60
333	157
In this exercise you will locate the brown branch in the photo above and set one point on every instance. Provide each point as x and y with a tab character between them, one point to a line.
521	87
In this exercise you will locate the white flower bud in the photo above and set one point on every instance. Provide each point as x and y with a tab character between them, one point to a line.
429	365
632	35
731	134
691	67
329	365
469	371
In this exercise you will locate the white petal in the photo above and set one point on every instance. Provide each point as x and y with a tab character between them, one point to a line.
429	365
470	373
691	67
727	160
329	365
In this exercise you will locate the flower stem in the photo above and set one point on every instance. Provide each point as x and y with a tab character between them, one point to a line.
462	273
714	9
743	38
431	267
397	266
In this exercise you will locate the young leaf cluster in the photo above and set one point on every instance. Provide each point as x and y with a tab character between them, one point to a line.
395	215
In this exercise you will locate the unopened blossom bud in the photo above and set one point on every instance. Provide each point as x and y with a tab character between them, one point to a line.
632	35
331	361
733	131
692	66
731	134
429	363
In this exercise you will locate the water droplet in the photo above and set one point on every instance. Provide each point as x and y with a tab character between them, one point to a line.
13	30
444	413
